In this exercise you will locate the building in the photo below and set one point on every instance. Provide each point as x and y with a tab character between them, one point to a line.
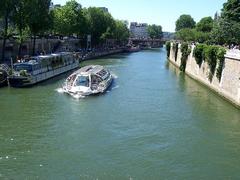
104	9
54	6
139	30
168	36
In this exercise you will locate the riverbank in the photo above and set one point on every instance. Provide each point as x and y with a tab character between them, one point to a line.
100	53
227	87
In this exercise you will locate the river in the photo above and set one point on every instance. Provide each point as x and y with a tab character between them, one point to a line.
153	123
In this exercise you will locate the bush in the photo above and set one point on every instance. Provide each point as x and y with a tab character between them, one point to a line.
185	53
214	55
175	50
221	60
198	53
168	48
211	57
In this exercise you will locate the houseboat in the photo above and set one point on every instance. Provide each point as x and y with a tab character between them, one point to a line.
92	79
4	73
40	68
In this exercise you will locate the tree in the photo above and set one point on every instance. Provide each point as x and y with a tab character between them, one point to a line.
101	24
185	21
69	19
121	32
19	19
39	18
155	32
205	24
186	34
231	10
226	28
226	31
6	10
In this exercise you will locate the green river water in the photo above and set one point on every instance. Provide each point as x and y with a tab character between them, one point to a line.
153	123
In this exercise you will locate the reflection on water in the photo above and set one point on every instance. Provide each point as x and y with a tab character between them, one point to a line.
153	123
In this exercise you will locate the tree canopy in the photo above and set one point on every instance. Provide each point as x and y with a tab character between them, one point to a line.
231	10
185	21
101	24
223	29
205	24
69	19
6	11
227	27
121	32
155	32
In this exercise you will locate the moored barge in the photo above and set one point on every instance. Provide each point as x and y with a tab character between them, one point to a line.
41	68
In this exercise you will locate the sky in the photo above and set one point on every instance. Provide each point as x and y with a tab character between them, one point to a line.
160	12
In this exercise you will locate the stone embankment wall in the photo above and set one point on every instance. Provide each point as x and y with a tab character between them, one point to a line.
45	46
229	85
42	45
93	55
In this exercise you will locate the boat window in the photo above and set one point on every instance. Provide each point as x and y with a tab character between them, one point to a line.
82	81
20	67
71	79
95	79
102	73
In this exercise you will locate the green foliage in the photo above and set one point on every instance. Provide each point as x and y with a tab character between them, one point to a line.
185	53
186	34
214	55
185	21
69	19
221	60
155	32
211	58
205	24
192	35
101	24
121	32
168	48
198	53
38	16
226	31
6	11
231	10
20	16
175	50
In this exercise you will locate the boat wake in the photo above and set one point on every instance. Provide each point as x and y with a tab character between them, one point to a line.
78	96
114	75
60	90
115	87
75	96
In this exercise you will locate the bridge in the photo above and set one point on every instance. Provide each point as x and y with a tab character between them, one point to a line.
146	42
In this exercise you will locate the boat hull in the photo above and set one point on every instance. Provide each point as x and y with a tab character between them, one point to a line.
3	83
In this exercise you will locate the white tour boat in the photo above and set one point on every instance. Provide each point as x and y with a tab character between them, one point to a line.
40	68
92	79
